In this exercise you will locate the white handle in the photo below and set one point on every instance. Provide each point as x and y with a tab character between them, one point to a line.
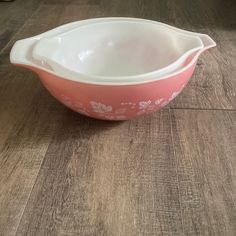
207	41
21	51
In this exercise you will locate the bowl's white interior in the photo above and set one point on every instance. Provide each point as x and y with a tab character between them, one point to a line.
116	49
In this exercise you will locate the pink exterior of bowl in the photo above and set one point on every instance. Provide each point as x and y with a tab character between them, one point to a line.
115	102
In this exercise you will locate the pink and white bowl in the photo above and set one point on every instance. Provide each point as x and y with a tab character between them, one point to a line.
113	68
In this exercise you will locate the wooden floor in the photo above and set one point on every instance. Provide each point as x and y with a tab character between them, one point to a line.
169	173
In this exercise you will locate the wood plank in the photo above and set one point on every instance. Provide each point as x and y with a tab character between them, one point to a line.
101	178
13	15
15	82
28	115
200	14
105	178
205	151
21	155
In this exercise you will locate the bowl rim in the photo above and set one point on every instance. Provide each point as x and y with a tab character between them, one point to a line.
90	79
177	63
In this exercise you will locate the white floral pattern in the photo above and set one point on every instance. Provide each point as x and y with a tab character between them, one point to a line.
78	105
174	95
159	101
151	108
141	112
164	103
144	104
66	100
83	112
100	107
120	110
111	117
132	105
121	117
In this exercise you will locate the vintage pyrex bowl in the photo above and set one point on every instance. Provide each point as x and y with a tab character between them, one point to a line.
113	68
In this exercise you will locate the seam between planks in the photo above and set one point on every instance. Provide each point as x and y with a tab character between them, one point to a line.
176	170
201	109
30	192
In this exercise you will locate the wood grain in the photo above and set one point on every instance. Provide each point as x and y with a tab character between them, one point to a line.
102	178
112	181
26	131
170	173
20	161
204	145
13	15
